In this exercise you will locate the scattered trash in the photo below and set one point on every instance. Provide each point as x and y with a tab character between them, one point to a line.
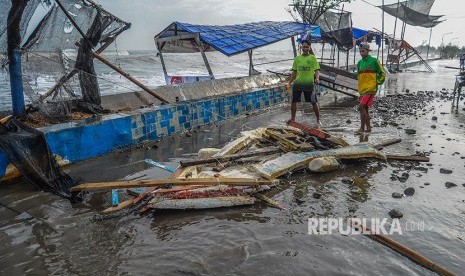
245	168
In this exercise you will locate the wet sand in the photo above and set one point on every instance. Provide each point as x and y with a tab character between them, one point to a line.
41	234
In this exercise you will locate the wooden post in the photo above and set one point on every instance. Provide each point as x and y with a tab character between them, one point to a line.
205	60
382	35
347	59
322	52
160	48
294	47
126	75
250	62
162	182
429	43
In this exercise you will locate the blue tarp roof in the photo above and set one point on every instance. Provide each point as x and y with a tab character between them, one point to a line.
359	33
235	39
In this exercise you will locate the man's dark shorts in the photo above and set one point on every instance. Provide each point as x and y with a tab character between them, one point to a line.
307	90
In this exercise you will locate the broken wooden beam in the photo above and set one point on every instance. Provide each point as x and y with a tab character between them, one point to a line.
228	158
409	253
320	134
162	182
270	201
416	158
386	143
288	139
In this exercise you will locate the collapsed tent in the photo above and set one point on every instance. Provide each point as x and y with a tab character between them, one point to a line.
58	38
27	149
413	12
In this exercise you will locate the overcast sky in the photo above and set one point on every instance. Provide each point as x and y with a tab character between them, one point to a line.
149	17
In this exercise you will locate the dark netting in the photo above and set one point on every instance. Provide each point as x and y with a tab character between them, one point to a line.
27	149
414	12
58	69
336	26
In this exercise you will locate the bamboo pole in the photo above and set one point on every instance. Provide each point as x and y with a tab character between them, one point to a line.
409	253
162	182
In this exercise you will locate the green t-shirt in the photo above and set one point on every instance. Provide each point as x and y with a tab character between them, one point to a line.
305	67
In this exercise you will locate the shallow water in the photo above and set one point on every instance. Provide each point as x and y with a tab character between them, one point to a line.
41	234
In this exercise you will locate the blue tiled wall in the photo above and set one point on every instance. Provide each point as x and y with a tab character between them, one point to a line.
81	141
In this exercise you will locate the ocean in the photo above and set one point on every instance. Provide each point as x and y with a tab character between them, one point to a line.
146	67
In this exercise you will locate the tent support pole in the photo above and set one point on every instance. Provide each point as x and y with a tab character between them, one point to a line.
14	56
163	65
250	62
205	60
429	43
382	36
347	59
294	47
322	52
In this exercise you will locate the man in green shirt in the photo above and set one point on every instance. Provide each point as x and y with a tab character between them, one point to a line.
305	72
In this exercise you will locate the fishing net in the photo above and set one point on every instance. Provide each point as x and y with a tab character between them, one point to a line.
52	46
58	69
27	149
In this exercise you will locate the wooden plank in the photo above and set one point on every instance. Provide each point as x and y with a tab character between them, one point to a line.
228	158
288	140
409	253
408	158
202	203
162	182
291	161
319	134
386	143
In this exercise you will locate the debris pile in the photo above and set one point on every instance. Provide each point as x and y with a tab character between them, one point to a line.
241	171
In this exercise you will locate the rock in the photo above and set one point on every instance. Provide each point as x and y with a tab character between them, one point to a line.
396	195
316	195
403	178
323	164
394	213
409	191
299	201
450	184
348	121
434	118
433	126
207	152
426	184
410	131
445	171
347	180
